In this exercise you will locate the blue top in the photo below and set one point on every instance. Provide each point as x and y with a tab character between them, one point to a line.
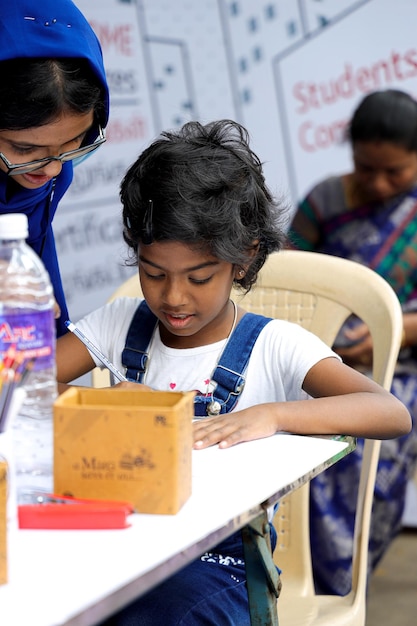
56	29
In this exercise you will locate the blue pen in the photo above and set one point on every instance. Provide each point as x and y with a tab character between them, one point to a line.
94	350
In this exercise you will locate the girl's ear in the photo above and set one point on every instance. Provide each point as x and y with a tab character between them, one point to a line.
240	270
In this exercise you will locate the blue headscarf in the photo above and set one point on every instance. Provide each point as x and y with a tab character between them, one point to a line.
49	29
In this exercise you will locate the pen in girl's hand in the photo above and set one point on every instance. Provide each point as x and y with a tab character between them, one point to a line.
94	350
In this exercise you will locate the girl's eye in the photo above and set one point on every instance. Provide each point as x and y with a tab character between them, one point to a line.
200	281
153	276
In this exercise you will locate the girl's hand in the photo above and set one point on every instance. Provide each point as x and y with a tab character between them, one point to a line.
342	401
232	428
132	386
62	387
361	352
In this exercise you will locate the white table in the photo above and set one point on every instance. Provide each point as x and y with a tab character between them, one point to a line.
80	577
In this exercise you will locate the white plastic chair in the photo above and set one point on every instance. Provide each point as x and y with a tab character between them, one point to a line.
319	292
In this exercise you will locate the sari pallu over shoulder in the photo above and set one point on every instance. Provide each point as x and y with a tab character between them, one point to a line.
382	236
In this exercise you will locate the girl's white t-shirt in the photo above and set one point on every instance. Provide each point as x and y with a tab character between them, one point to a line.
281	357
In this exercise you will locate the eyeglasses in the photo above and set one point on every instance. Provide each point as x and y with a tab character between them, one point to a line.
31	166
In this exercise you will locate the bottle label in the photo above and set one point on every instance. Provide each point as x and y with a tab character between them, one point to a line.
33	334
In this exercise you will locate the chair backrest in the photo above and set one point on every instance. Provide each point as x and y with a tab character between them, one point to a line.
319	292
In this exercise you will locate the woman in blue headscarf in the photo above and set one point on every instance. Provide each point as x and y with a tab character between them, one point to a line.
54	104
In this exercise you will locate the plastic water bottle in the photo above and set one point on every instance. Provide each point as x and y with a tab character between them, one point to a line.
27	323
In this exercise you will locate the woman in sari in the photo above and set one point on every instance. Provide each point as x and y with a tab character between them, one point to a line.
369	216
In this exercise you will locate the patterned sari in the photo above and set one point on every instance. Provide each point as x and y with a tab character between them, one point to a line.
382	236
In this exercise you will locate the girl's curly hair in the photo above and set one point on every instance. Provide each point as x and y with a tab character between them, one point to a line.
203	185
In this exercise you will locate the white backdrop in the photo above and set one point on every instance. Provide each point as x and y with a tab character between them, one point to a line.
291	71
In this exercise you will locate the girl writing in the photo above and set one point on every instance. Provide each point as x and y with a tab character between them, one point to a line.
198	218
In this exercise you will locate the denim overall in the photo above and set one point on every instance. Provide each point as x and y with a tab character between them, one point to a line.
212	589
228	373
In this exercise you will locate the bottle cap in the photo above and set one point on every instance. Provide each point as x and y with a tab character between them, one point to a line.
14	226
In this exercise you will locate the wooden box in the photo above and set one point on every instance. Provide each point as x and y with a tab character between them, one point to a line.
128	445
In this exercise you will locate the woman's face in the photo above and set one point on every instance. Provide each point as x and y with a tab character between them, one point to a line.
62	135
383	169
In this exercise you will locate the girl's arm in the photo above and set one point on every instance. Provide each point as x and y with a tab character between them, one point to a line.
72	360
344	402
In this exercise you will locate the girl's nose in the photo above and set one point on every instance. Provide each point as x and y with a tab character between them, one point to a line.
173	294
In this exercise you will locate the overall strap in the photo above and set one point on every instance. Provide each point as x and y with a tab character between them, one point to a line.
228	374
135	354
